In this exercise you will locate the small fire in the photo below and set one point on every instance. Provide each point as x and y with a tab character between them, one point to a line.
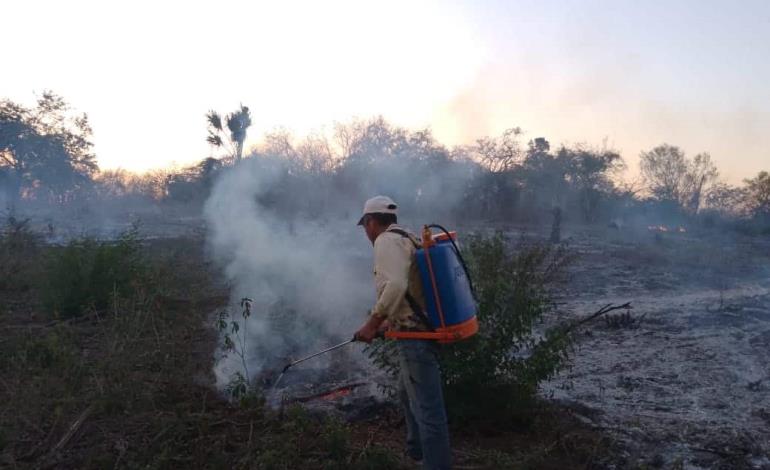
329	395
336	394
663	228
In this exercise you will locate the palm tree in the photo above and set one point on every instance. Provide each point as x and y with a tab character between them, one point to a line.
237	124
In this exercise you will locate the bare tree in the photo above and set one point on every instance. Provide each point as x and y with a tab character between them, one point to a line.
664	169
671	176
501	154
278	143
367	141
701	173
725	199
589	173
757	195
316	154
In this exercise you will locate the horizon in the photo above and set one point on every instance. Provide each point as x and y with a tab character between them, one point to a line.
691	74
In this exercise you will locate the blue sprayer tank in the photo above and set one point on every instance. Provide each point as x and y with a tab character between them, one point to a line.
445	283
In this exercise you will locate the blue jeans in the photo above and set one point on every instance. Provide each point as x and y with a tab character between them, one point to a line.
427	434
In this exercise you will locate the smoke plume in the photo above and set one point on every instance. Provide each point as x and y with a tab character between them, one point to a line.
292	245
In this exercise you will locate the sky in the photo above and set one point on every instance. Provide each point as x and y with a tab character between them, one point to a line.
692	73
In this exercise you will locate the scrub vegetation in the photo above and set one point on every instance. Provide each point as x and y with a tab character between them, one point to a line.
492	379
123	379
109	339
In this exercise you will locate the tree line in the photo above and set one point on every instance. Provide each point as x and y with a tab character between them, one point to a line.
46	157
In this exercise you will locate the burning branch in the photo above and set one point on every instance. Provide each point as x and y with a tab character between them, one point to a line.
663	228
332	394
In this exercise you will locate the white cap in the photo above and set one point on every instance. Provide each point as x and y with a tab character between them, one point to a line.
379	205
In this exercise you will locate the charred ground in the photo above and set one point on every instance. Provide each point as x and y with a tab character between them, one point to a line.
682	378
131	386
676	382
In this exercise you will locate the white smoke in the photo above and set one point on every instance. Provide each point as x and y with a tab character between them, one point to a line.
310	280
289	240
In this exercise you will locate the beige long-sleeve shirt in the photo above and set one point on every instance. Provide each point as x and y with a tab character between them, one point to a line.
395	274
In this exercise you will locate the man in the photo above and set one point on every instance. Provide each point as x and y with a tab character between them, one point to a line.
400	306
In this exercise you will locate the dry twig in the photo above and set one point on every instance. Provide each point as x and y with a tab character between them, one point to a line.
606	309
73	429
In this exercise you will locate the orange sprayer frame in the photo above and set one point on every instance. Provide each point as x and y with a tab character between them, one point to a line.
442	335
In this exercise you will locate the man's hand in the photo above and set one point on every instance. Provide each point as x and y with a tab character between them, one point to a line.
369	331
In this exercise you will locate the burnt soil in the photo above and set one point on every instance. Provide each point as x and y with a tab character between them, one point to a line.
682	380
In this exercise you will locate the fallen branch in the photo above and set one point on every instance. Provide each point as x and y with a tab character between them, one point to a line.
721	453
73	429
606	309
50	460
227	421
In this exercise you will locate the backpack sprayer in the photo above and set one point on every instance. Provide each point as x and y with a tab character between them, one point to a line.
449	296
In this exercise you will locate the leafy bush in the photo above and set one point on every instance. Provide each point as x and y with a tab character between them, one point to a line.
19	250
494	375
376	457
336	439
90	274
497	372
54	349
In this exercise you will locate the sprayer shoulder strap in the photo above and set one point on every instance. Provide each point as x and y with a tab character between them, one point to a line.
405	234
413	304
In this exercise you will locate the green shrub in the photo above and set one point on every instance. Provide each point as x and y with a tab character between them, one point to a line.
336	440
19	254
494	376
90	274
376	458
46	351
496	373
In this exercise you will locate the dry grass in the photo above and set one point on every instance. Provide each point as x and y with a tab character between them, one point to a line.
130	387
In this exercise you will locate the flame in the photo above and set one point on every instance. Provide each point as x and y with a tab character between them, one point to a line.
331	394
663	228
336	394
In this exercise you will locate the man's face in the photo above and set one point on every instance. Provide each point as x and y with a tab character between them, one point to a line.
371	228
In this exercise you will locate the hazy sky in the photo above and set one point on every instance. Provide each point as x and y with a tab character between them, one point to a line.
638	73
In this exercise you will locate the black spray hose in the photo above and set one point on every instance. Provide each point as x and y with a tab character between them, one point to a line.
460	257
